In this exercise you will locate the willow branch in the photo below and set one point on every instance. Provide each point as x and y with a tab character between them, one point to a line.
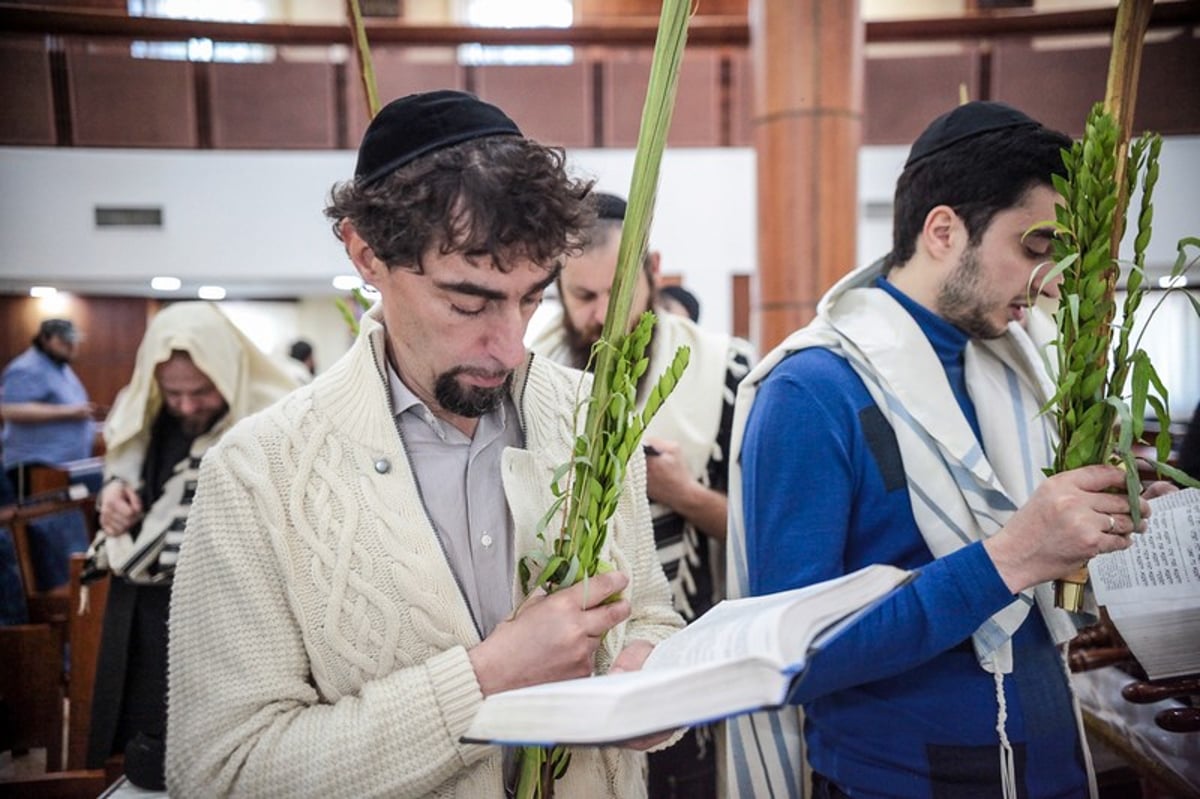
362	51
1120	95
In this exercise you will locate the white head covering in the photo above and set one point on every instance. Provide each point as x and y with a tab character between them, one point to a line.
241	372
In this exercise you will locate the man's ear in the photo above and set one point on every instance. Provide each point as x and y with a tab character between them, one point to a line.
942	232
361	255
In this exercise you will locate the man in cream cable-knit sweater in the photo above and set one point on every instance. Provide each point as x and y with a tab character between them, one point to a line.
345	596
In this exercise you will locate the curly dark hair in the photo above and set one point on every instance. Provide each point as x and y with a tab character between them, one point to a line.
978	178
506	197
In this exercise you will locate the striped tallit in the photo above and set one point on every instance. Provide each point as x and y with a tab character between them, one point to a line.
958	494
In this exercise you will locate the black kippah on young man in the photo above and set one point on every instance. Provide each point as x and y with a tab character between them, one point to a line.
965	122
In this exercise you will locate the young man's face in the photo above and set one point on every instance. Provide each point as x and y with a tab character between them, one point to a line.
188	394
455	330
998	279
585	286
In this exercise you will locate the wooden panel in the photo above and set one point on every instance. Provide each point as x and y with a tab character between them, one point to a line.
1055	87
551	104
114	327
25	93
398	72
904	94
1169	87
83	632
740	292
1058	87
107	5
281	106
31	676
119	101
80	784
697	118
590	10
741	100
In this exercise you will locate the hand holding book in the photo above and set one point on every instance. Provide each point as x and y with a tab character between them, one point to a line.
741	656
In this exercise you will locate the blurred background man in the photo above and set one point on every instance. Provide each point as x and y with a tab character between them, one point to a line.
47	415
47	421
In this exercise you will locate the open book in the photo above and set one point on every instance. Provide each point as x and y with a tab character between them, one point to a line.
740	656
1152	589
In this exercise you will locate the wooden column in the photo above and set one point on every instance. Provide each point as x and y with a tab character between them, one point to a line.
807	58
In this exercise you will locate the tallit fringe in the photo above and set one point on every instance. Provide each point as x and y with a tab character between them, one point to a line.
1008	770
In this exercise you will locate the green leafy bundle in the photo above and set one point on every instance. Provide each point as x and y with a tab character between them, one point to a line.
1105	380
1098	421
597	470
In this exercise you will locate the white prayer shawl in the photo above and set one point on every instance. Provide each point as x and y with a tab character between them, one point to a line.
245	377
958	494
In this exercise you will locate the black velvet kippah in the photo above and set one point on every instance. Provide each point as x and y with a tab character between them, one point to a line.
609	206
965	122
419	124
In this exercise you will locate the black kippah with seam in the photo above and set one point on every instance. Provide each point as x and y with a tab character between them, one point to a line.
965	122
419	124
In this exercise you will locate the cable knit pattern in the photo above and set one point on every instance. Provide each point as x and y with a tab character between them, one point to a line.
318	636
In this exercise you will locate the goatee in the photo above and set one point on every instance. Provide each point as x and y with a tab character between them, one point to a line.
470	402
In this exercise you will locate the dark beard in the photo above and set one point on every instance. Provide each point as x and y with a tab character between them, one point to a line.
580	347
193	427
470	402
958	300
579	344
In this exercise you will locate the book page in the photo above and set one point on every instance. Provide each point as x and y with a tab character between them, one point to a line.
731	630
752	627
1162	566
1152	589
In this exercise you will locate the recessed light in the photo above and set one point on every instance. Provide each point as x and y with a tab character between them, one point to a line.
210	293
163	283
347	282
42	291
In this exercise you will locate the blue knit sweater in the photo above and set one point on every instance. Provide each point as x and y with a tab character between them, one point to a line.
898	706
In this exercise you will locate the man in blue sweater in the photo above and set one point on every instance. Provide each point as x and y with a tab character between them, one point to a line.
902	427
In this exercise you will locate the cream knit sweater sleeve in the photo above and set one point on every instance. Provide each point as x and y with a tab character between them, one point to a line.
246	714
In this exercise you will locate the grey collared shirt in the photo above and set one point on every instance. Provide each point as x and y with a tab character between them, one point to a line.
460	482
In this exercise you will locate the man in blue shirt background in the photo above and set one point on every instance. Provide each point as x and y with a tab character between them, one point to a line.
47	415
47	420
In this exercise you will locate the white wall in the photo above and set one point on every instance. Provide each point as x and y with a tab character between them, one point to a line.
253	221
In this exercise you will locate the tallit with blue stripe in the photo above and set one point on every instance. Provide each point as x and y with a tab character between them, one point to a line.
959	495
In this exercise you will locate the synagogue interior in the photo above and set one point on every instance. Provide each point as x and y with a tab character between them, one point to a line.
154	152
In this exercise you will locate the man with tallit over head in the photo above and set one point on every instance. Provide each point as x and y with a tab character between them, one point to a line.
195	376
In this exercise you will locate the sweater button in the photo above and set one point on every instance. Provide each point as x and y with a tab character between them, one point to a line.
383	466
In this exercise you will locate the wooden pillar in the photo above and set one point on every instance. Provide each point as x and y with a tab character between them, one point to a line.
807	61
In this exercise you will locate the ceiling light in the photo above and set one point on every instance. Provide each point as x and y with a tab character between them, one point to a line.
210	293
1172	282
163	283
42	291
347	282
